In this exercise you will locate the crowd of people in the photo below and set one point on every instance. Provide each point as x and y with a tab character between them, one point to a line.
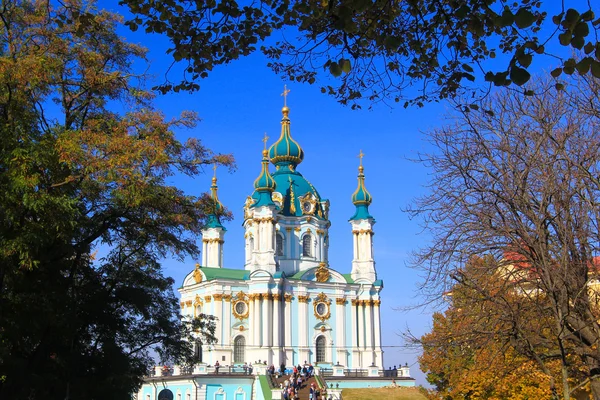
290	388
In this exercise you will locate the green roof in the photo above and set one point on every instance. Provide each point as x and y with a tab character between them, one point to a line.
348	278
225	273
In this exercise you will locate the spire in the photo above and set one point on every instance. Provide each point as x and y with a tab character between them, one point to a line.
361	197
264	184
213	218
286	150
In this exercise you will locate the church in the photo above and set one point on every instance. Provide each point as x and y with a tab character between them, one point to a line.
286	304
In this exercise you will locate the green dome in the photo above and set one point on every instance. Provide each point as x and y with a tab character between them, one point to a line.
213	218
264	185
361	198
265	181
286	150
295	191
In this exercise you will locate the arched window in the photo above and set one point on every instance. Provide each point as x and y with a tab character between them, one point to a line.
307	246
198	351
279	245
321	349
239	349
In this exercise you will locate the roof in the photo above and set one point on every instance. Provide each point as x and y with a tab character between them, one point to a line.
225	273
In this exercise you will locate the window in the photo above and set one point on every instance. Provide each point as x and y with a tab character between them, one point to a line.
321	349
239	345
306	246
198	351
279	245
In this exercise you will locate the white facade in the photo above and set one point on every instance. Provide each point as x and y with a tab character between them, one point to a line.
287	305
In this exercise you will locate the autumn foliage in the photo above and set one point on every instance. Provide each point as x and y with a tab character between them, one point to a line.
86	213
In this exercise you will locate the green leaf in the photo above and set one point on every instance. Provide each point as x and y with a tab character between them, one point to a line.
559	86
581	29
587	16
595	68
335	69
524	18
556	72
507	17
565	38
557	18
525	60
589	47
345	65
519	75
583	66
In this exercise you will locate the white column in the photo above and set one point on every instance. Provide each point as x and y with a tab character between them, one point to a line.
204	248
251	320
361	324
265	320
377	323
256	326
218	299
354	316
288	323
369	324
355	245
302	322
340	337
276	321
227	322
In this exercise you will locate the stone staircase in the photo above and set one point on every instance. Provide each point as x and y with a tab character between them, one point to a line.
305	389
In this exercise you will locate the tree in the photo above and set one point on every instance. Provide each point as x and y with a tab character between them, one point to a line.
493	341
86	214
524	182
375	49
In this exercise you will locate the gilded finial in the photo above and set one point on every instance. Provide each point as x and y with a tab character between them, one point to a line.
214	179
284	94
360	157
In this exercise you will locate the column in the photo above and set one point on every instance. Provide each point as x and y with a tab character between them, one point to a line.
276	321
302	328
227	322
369	334
377	325
361	324
354	323
256	325
288	322
219	314
204	252
340	329
251	320
265	320
355	244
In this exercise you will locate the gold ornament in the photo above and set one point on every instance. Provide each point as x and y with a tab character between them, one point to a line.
197	274
240	307
322	273
321	307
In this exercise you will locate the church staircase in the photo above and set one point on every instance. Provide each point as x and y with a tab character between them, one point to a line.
305	389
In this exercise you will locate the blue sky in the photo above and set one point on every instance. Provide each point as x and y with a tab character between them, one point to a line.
241	101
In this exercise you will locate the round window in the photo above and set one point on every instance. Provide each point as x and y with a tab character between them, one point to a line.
240	307
321	309
306	206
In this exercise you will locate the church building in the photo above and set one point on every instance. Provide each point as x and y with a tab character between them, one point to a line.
286	304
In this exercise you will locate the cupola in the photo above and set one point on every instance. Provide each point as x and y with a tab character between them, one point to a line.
361	197
285	150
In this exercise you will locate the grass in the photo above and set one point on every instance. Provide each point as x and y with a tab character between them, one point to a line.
399	393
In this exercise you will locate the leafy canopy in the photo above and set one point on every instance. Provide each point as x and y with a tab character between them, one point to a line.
86	214
376	50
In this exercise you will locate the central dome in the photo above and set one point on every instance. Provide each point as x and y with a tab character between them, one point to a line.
286	150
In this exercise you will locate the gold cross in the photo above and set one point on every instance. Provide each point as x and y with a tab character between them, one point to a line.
215	170
265	140
360	156
284	94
